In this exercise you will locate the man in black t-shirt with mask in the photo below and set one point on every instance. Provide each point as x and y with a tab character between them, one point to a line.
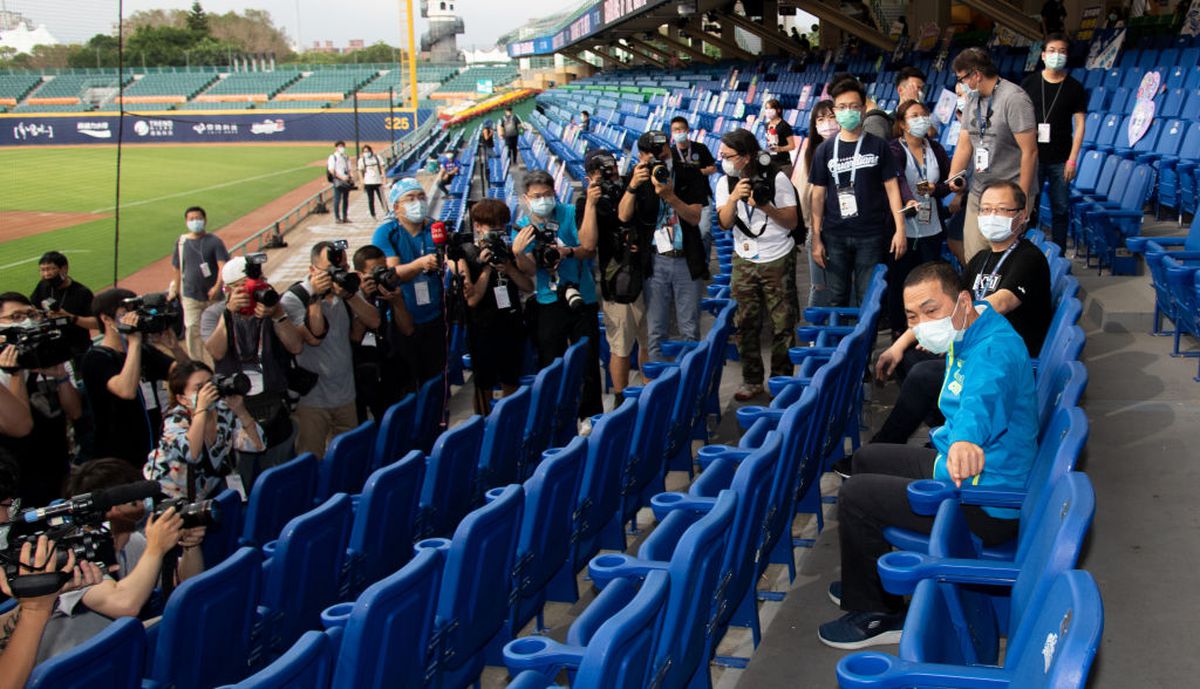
382	374
69	298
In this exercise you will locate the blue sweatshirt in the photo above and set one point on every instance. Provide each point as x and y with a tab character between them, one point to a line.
988	398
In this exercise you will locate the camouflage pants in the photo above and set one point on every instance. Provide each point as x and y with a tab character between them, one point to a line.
757	287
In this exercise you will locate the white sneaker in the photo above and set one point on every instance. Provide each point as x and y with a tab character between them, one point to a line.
585	427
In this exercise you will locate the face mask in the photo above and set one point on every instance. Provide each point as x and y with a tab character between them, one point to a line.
414	211
1056	60
996	228
937	336
828	129
26	324
919	126
431	166
729	168
680	138
543	208
962	103
195	226
341	150
848	119
55	281
769	113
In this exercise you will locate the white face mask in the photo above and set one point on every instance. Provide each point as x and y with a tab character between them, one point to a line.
680	138
1056	61
341	150
729	168
769	113
962	103
195	226
937	336
919	126
414	211
828	129
996	228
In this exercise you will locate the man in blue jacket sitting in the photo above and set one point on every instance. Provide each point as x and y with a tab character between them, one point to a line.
989	439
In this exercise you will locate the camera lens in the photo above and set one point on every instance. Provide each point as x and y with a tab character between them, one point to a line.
267	296
237	384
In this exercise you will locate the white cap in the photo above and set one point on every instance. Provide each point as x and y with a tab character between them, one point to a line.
234	270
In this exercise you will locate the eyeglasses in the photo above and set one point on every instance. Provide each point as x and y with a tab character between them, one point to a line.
998	210
847	106
963	78
547	195
1056	51
18	316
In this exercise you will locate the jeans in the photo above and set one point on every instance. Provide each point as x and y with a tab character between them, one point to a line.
818	289
876	497
851	258
1060	199
671	281
341	202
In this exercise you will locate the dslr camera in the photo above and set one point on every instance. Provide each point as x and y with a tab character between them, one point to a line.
155	312
41	344
459	245
194	514
385	277
762	182
342	276
237	384
610	190
545	247
259	289
497	242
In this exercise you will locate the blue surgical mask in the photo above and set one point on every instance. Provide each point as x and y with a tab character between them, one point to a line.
196	226
680	138
919	126
848	119
543	207
1056	61
414	211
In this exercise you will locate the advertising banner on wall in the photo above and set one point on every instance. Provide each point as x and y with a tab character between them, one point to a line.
30	129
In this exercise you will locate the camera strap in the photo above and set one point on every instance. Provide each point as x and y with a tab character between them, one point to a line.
740	224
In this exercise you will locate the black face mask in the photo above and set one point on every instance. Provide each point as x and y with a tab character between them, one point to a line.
55	281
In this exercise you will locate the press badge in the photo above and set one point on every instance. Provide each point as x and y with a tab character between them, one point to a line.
205	270
983	158
1043	133
369	340
502	300
847	204
662	241
749	247
422	292
924	213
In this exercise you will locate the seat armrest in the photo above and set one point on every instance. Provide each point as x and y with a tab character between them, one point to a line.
874	670
541	655
901	571
605	568
926	495
666	503
711	453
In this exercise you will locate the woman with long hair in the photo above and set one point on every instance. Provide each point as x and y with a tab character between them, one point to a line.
822	125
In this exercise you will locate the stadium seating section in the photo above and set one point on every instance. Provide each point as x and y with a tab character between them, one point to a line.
182	84
467	80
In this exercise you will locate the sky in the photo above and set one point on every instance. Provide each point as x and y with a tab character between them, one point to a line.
335	20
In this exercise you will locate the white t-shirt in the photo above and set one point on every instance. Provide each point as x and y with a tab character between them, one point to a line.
369	166
775	240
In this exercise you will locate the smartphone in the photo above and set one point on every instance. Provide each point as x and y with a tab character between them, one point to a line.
958	176
909	211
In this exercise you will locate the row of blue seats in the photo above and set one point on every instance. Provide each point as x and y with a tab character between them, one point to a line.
1174	266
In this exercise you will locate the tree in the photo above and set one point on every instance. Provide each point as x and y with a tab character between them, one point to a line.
197	20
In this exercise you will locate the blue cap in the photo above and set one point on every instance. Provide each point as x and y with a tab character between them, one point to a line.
402	187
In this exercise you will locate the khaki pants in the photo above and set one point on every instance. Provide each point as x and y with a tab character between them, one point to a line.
318	426
193	341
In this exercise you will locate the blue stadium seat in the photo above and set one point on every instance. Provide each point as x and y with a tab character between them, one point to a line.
448	491
545	390
575	360
204	637
112	659
694	571
395	432
221	537
643	466
308	664
613	652
386	636
347	462
279	493
385	522
502	448
1056	652
431	411
473	602
303	573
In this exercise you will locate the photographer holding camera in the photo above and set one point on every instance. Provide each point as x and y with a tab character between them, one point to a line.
249	333
665	201
121	373
140	555
321	307
206	422
551	251
624	257
44	453
760	203
408	243
382	373
61	296
492	287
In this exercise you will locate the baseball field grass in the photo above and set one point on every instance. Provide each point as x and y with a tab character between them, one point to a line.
62	198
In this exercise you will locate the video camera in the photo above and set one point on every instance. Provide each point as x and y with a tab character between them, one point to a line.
259	290
41	344
76	526
342	276
156	314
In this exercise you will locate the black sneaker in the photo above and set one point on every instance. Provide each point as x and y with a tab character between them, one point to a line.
856	630
844	467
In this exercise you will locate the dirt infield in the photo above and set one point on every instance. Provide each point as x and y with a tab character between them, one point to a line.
155	276
18	224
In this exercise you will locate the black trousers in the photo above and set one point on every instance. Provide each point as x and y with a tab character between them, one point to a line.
511	142
373	191
559	327
426	349
918	398
919	251
876	497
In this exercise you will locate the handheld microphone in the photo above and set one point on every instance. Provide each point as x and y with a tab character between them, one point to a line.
96	501
438	230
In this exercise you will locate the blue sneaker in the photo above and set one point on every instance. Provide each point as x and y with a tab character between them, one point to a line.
856	630
835	592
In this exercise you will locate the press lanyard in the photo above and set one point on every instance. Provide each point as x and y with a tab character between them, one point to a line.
853	167
980	123
913	159
1046	112
980	291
